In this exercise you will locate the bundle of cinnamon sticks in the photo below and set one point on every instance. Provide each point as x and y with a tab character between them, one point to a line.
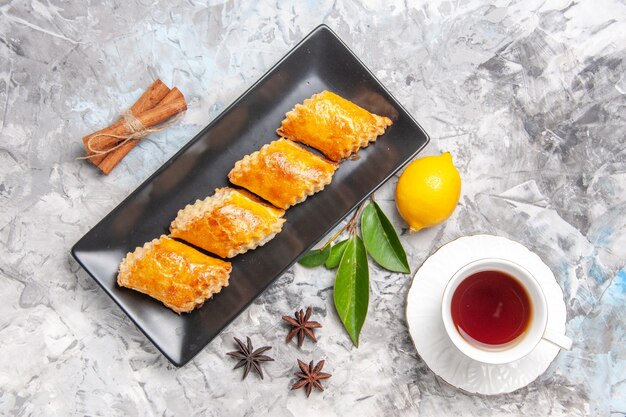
107	147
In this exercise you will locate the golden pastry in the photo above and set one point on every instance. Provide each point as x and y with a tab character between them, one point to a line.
228	223
283	173
175	274
333	125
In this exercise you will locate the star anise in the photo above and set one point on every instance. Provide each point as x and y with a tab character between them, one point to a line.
302	326
310	376
249	358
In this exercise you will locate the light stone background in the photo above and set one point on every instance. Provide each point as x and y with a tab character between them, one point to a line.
528	96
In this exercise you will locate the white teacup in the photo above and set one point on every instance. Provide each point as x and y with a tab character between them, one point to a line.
522	345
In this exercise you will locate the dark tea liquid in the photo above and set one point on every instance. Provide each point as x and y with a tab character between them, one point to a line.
491	307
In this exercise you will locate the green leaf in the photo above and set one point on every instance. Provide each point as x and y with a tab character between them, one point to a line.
352	288
335	254
381	240
315	257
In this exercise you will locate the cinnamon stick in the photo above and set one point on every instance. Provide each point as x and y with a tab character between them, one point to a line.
173	103
150	98
153	95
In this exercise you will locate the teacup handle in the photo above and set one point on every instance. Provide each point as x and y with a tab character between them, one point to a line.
557	339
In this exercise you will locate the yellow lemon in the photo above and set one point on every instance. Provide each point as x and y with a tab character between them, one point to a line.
428	191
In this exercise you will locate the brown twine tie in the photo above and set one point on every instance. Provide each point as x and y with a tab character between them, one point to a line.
137	132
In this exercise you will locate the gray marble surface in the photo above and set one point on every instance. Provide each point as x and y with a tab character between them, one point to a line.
528	96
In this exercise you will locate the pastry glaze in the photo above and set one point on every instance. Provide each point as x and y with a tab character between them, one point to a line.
283	173
228	223
175	274
333	125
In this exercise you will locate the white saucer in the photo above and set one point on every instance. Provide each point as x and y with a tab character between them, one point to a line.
423	314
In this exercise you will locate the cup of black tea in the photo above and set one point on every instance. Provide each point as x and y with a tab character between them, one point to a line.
495	311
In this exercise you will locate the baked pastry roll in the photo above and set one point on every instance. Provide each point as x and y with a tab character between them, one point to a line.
283	173
333	125
228	223
175	274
